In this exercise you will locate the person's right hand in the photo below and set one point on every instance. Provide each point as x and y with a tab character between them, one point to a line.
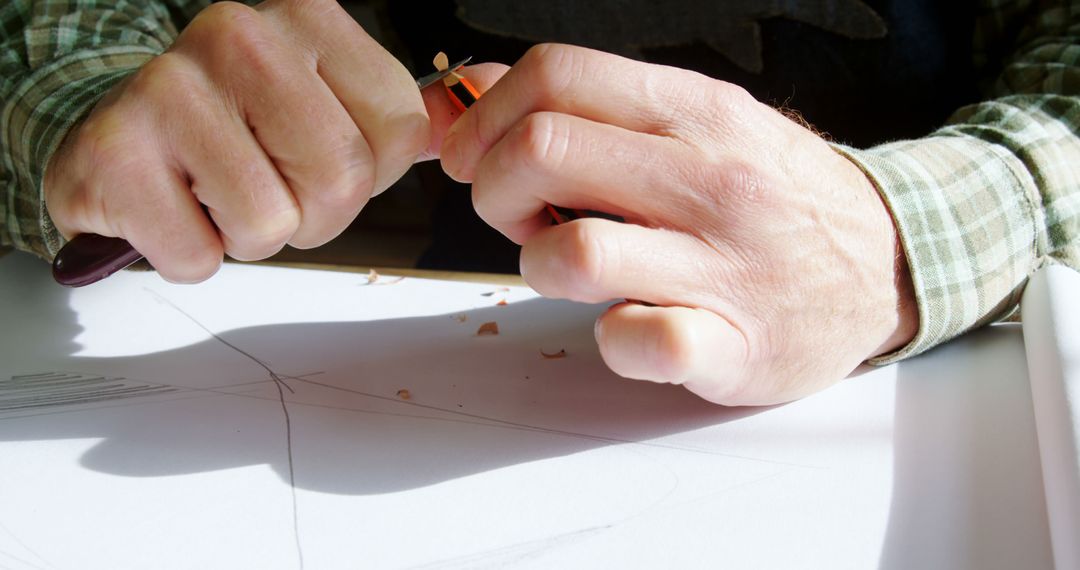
258	127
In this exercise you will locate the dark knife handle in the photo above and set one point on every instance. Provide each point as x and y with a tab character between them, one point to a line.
89	258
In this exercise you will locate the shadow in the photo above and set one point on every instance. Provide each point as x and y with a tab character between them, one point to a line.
967	488
475	403
35	309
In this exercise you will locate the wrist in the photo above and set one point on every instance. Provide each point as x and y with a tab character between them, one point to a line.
889	296
905	324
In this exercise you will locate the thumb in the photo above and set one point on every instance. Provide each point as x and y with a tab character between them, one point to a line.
443	113
678	345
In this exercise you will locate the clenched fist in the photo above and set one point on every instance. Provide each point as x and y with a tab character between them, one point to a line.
258	127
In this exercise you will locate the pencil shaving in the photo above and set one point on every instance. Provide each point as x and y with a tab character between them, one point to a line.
452	79
373	278
489	328
441	61
554	355
404	394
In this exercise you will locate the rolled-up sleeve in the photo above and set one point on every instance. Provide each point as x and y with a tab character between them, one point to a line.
57	59
994	194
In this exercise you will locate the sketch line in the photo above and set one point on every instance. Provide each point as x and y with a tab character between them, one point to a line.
178	393
553	431
45	390
23	562
514	553
25	547
281	386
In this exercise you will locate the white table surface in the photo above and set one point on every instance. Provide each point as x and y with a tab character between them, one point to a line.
500	458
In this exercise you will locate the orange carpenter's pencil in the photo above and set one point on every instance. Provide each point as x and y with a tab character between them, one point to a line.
462	93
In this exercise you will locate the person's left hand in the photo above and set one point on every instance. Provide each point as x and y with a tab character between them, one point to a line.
773	263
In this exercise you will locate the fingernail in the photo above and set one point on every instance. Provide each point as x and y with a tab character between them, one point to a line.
596	330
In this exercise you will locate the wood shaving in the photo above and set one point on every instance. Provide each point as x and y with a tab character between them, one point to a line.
488	328
404	394
460	318
373	279
502	303
560	354
441	61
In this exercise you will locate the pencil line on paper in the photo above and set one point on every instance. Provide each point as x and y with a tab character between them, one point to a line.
281	386
45	390
515	553
178	393
552	431
25	547
24	563
292	473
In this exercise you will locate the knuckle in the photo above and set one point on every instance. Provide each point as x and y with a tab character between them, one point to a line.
162	80
586	259
551	69
310	10
345	179
732	185
259	232
349	190
218	21
271	232
731	108
730	95
225	15
725	101
539	142
234	38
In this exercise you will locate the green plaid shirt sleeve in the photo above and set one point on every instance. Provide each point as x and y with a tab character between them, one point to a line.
57	59
994	194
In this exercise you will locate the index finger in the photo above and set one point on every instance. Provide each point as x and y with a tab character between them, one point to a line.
590	84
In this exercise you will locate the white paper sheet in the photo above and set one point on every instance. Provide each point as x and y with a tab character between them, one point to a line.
1052	339
154	436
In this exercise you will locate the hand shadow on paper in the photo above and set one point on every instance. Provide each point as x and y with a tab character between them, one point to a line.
475	403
